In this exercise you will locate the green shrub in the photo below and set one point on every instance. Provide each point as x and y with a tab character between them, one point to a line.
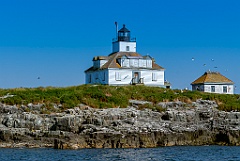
103	96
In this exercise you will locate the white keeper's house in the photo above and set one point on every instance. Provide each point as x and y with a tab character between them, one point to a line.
213	82
124	66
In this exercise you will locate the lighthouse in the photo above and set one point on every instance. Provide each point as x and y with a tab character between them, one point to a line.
123	42
124	66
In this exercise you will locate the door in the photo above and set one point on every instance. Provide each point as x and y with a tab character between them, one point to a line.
136	77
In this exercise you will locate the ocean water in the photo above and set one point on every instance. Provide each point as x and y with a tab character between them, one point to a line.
184	153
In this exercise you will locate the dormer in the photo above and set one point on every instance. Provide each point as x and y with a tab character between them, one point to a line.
127	61
123	61
149	61
123	42
99	61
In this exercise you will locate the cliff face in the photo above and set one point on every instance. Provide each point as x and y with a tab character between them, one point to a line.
198	123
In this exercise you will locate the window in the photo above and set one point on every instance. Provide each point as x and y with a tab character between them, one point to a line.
124	62
90	78
198	88
135	62
224	89
118	76
144	63
154	76
96	76
127	48
104	76
212	88
131	62
149	63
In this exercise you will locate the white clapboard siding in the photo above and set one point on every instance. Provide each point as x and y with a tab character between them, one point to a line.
125	62
218	88
149	63
99	63
124	77
147	75
124	74
97	77
121	46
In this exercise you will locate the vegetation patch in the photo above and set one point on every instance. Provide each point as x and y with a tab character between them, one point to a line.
103	96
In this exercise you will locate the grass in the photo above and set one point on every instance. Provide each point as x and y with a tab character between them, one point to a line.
101	96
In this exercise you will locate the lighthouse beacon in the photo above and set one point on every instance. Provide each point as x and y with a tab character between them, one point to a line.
124	43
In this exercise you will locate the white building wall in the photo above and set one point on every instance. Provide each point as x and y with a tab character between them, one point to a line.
99	63
125	77
218	88
147	75
149	63
125	62
231	89
121	46
128	74
115	47
97	77
137	63
102	62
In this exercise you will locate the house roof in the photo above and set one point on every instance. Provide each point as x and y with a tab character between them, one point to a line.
212	77
112	61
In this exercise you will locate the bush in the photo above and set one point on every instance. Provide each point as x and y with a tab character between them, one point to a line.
103	96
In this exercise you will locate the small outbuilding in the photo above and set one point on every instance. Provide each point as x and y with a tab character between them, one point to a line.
213	82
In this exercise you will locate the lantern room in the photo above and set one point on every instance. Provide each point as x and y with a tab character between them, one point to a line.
124	43
124	34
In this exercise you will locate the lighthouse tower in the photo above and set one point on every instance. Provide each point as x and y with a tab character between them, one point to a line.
124	43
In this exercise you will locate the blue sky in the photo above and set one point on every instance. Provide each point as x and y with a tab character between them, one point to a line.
57	39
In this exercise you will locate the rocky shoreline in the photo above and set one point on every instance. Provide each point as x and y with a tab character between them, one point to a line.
196	123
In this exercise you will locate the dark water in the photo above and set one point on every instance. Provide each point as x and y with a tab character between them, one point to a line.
185	153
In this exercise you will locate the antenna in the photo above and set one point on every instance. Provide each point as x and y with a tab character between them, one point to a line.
116	29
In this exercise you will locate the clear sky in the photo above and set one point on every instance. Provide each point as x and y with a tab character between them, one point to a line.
57	39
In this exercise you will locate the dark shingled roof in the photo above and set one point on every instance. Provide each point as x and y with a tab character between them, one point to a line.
212	77
112	61
124	29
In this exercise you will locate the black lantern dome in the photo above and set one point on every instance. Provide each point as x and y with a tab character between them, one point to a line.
124	34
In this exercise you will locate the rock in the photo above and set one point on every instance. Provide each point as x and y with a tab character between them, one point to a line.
196	123
137	102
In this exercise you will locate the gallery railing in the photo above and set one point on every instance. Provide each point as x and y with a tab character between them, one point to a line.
137	81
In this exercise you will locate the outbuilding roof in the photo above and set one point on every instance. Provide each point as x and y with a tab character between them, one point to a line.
212	77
